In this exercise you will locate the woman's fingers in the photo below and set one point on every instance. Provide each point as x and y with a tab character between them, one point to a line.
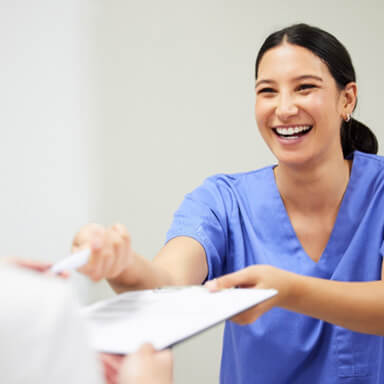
110	250
258	276
88	237
252	314
121	242
245	278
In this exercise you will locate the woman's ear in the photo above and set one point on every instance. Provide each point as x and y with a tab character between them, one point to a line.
349	98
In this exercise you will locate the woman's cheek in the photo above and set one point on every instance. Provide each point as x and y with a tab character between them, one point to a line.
263	112
314	103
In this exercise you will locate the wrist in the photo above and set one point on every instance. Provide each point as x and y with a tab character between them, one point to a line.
129	277
295	291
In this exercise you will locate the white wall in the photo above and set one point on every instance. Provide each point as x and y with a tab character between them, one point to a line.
48	142
113	110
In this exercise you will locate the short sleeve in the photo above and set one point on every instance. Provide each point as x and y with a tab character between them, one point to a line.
203	216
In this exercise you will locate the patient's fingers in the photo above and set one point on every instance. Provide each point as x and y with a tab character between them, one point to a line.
147	366
111	365
32	264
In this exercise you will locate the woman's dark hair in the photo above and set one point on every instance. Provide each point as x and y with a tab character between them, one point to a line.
354	134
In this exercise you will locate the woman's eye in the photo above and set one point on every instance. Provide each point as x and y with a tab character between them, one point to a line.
304	87
266	90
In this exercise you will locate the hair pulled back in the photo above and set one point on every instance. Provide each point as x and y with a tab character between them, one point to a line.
354	134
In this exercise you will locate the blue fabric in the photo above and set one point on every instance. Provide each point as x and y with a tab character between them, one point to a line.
240	220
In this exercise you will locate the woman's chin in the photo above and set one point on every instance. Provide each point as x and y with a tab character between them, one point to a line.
294	158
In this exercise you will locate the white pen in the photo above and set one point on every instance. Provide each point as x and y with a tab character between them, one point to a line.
73	261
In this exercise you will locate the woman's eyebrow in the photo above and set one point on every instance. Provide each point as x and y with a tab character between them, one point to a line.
266	81
304	77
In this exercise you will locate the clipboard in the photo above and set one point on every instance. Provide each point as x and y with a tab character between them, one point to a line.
163	317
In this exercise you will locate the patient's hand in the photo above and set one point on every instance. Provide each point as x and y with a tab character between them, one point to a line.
147	366
37	266
111	366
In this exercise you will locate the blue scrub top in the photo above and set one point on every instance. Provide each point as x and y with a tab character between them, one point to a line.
240	220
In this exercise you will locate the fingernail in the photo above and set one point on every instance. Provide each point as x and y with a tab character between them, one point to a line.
96	244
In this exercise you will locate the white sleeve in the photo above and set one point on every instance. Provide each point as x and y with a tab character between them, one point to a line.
42	336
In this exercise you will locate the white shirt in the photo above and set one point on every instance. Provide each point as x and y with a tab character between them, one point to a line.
42	337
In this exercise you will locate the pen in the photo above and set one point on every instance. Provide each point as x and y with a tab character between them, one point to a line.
73	261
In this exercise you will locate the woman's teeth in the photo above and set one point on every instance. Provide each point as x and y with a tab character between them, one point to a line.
293	131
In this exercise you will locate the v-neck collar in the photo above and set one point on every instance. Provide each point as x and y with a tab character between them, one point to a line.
337	242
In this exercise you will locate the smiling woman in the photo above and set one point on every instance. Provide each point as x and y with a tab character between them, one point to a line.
317	76
310	226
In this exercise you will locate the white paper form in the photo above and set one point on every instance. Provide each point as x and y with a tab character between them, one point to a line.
163	317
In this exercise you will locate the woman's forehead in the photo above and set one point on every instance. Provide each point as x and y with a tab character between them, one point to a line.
292	61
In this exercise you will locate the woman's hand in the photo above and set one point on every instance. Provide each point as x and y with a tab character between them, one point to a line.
111	251
147	366
258	276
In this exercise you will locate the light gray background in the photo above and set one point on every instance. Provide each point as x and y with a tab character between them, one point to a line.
113	110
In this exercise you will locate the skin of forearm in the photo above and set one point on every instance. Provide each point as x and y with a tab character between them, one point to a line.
358	306
141	274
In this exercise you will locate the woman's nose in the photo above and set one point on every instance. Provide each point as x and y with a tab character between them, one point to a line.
286	107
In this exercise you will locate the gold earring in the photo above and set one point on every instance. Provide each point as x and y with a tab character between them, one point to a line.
347	118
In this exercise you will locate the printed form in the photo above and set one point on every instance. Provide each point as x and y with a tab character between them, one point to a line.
165	316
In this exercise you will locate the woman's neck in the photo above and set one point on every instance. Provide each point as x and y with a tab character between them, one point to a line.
313	188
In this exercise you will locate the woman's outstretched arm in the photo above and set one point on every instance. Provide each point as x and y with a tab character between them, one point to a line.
181	261
358	306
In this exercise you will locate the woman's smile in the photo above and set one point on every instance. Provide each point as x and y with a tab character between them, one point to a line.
298	105
291	134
